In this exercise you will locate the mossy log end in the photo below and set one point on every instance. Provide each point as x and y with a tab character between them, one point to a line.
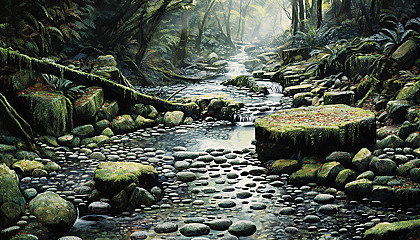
112	89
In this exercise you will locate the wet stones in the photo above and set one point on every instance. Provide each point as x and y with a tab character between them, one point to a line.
166	227
242	228
361	187
186	176
194	229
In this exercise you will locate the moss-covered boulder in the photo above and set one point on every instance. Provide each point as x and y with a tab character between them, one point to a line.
243	81
284	166
147	111
112	177
359	188
404	170
173	118
339	97
108	111
406	54
383	167
12	203
305	175
7	148
397	230
53	212
142	122
345	176
27	166
87	106
391	141
328	173
123	124
320	129
47	111
84	131
362	159
141	196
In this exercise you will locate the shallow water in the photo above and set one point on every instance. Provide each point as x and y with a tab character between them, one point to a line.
185	200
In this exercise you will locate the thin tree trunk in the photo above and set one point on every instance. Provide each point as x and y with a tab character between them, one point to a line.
181	52
295	19
318	13
240	19
301	15
202	24
244	19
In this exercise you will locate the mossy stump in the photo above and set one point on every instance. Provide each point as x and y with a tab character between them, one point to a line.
318	130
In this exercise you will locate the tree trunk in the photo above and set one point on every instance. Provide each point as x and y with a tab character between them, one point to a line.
295	19
244	19
240	19
202	24
112	89
301	15
345	7
318	13
181	52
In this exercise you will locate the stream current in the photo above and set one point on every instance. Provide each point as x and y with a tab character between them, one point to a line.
235	187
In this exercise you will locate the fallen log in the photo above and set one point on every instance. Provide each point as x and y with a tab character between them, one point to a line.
112	89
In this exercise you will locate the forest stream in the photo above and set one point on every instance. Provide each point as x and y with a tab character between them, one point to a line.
232	188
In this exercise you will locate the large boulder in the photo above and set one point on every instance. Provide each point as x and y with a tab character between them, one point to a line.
397	230
26	167
108	111
87	106
320	129
362	159
406	54
359	188
339	97
383	167
173	118
305	175
284	166
47	111
112	177
123	124
12	203
328	173
53	212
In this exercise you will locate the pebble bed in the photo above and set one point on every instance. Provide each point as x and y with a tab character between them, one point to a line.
229	187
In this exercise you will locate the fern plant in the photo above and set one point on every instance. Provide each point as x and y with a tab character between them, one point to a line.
397	33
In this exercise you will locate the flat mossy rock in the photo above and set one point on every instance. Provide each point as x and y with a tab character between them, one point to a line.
321	129
48	112
397	230
113	177
292	90
87	106
53	211
284	166
27	166
305	175
12	203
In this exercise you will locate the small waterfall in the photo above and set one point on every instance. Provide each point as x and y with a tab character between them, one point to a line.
272	87
235	67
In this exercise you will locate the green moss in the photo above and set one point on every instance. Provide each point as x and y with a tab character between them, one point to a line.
112	177
306	174
316	124
27	166
397	230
